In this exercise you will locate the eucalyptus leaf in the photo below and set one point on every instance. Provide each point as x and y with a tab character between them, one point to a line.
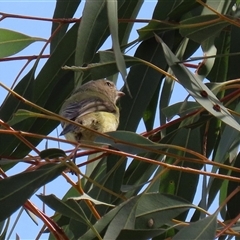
15	190
12	42
197	89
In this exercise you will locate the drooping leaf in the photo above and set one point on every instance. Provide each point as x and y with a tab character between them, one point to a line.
126	139
113	26
202	229
41	91
107	218
200	28
146	77
15	190
94	27
232	207
140	234
124	219
161	208
69	208
12	42
63	10
52	153
87	197
196	89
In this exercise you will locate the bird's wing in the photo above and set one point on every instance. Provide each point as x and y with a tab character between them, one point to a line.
81	108
86	106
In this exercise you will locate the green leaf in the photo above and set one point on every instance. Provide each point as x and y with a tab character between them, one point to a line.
127	10
87	197
203	229
52	153
180	108
41	91
219	71
150	112
64	9
154	26
185	50
94	25
23	114
132	142
70	208
138	174
103	222
228	144
113	25
183	7
234	72
142	90
161	208
200	28
8	107
233	207
195	88
182	184
15	190
124	219
140	234
12	42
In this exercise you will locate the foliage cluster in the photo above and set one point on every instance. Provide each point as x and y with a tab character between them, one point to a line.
141	186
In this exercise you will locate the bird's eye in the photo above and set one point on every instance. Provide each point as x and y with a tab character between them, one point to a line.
110	84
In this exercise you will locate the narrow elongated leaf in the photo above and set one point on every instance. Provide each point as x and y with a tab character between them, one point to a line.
141	143
70	210
102	223
185	50
94	25
142	89
15	190
124	219
200	28
113	25
41	91
219	46
180	108
228	143
52	153
128	10
150	112
23	114
182	184
234	72
182	7
233	208
161	208
64	9
87	197
138	173
12	42
197	89
203	229
140	234
9	107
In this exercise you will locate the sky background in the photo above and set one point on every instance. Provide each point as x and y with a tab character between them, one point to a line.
26	229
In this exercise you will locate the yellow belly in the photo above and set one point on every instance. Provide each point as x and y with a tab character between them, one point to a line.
99	121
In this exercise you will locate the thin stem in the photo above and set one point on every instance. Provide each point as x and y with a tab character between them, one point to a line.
57	20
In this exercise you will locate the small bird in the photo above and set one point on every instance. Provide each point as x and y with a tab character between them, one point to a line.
92	105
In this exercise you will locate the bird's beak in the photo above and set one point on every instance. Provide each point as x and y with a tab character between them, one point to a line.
120	94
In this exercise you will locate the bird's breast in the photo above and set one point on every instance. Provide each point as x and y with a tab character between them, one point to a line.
99	121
